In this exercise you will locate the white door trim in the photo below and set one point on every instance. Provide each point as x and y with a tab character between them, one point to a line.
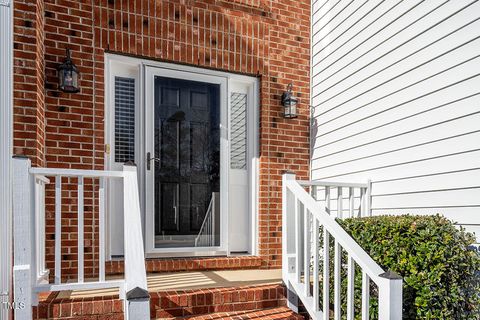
192	73
6	132
248	86
129	70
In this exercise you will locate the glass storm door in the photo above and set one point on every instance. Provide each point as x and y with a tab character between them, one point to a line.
185	163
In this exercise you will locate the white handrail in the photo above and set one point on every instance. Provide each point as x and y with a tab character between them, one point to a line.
29	236
206	235
300	211
332	184
54	172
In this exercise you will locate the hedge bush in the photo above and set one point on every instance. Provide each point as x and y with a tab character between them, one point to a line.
441	279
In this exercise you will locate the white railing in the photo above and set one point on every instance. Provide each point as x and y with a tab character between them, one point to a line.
42	272
206	235
356	202
308	228
30	273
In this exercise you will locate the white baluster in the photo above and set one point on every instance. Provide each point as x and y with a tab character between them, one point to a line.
338	262
326	274
351	202
306	247
212	217
313	192
340	202
298	241
42	229
80	231
350	288
326	261
316	271
368	200
210	231
36	223
362	212
327	199
365	296
58	229
337	280
102	227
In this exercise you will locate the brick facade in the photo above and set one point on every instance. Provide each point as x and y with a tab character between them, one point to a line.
29	80
265	38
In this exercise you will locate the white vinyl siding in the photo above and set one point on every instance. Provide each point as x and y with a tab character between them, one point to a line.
396	98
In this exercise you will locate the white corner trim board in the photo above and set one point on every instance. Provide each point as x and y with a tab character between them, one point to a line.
6	106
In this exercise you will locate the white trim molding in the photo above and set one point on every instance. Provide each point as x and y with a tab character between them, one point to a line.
142	70
6	111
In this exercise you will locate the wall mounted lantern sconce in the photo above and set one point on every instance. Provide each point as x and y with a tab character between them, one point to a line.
289	102
68	75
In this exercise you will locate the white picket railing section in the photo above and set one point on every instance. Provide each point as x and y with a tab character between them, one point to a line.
304	221
206	235
30	274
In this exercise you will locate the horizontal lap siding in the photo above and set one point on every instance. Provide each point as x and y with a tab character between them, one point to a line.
396	97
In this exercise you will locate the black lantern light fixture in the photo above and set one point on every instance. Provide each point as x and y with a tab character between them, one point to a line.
289	102
68	75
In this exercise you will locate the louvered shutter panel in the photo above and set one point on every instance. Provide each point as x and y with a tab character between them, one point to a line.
238	140
124	119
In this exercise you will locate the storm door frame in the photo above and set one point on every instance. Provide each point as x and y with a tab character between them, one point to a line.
149	74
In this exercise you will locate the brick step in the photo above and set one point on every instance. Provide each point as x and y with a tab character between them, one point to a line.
170	304
272	313
188	303
190	264
94	308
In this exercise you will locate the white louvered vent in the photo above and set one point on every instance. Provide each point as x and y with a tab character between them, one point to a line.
238	153
124	119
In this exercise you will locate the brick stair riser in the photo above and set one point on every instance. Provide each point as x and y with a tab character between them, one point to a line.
183	304
103	309
166	305
191	264
279	313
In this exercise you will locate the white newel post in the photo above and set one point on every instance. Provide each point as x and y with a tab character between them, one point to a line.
23	237
288	233
6	141
390	296
137	300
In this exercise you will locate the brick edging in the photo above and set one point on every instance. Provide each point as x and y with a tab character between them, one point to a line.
190	264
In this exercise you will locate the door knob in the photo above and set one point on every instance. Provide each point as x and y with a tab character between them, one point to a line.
150	159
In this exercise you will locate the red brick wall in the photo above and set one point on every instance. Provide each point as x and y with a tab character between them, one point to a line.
29	80
267	38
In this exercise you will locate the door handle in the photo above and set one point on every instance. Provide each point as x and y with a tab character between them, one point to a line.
150	159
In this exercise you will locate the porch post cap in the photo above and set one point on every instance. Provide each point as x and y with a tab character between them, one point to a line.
137	293
391	275
288	172
130	163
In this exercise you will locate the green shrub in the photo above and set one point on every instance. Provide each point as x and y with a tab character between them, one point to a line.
440	274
